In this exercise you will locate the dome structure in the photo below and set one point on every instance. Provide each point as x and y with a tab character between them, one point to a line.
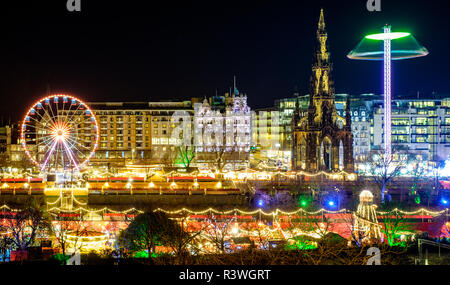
366	196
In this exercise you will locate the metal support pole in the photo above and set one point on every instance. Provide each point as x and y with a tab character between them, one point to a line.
387	95
419	244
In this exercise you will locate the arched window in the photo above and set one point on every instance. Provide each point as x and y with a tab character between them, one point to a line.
341	155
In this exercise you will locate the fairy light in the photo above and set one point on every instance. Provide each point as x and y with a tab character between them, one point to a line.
233	211
235	229
55	202
77	201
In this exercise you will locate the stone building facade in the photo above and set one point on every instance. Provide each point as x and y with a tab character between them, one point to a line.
322	140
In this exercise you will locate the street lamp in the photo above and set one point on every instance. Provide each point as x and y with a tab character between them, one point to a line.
26	185
106	185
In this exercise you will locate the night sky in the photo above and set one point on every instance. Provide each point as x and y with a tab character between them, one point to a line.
131	51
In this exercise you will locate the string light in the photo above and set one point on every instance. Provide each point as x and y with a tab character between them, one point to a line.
53	203
234	211
78	202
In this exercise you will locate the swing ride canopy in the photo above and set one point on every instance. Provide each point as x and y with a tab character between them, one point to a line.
403	46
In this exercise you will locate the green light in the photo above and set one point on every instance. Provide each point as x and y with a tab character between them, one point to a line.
417	199
387	36
303	203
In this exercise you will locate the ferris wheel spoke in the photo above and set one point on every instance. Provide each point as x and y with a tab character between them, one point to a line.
76	143
81	152
67	113
48	114
49	154
47	120
46	141
69	152
51	110
70	117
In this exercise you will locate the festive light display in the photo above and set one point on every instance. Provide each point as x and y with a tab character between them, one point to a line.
365	226
51	135
276	212
250	174
86	241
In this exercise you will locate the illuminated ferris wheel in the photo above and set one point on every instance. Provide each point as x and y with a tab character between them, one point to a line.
59	133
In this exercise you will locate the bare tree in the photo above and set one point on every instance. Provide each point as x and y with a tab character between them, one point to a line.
383	170
179	237
26	225
358	235
418	173
218	158
5	242
61	227
217	232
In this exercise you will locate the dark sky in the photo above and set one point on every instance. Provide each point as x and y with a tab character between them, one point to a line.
144	50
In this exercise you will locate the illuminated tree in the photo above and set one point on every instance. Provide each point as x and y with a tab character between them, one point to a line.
383	170
5	242
61	226
217	232
147	231
26	225
418	173
393	223
186	155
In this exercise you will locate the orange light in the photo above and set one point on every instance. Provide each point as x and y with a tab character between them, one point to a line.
60	131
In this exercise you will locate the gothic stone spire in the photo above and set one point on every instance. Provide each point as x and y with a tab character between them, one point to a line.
321	83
